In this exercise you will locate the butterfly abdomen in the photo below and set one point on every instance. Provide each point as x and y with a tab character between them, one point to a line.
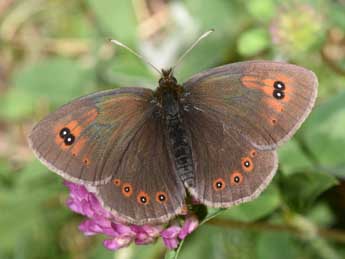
179	144
181	149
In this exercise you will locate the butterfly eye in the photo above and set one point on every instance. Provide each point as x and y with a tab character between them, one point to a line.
160	81
174	80
69	139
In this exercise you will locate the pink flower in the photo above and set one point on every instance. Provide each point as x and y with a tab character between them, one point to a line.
100	221
170	236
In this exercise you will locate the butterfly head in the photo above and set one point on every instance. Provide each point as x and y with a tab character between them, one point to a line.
168	85
167	80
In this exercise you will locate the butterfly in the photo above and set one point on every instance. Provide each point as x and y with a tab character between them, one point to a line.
213	137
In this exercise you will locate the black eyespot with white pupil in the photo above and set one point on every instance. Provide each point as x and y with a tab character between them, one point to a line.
278	94
69	139
143	199
64	132
219	185
126	189
246	163
279	85
161	197
237	179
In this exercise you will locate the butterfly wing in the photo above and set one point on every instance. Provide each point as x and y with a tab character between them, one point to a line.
145	188
236	116
265	101
228	170
118	146
98	123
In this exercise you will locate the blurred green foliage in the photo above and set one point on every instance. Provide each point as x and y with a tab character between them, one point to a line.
55	50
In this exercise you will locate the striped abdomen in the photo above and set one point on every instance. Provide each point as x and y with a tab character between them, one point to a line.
180	148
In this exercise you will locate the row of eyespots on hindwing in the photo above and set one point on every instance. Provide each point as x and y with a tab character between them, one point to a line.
142	197
236	176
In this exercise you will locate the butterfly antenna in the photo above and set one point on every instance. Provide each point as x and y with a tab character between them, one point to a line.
116	42
204	35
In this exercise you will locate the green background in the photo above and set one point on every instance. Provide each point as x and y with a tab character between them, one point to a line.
54	51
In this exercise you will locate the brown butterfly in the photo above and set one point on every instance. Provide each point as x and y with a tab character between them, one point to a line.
214	137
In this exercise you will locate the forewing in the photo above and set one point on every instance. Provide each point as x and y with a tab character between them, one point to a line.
266	102
145	188
102	124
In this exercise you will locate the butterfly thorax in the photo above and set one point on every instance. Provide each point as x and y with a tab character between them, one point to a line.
168	95
167	85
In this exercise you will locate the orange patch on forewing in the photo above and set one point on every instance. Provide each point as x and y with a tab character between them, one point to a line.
286	80
127	189
71	125
58	127
78	146
90	116
275	104
278	77
234	176
218	184
75	128
251	82
143	198
117	182
255	83
247	164
159	196
59	141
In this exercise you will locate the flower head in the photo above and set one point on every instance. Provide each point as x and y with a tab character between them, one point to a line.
296	28
100	221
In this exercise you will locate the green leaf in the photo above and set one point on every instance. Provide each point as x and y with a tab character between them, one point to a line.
292	159
216	242
276	245
117	19
221	14
16	104
324	134
261	9
321	214
253	41
267	202
263	206
301	189
171	254
128	70
54	80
